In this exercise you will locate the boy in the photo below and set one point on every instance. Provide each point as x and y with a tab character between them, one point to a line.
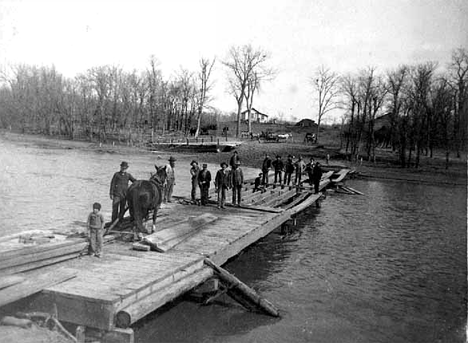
258	184
95	226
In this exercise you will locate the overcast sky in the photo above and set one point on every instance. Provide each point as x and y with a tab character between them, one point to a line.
300	35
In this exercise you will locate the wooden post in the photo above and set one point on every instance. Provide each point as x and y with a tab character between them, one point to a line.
243	294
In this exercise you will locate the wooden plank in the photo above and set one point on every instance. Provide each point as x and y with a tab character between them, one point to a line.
34	285
132	313
297	200
303	205
38	264
10	280
28	250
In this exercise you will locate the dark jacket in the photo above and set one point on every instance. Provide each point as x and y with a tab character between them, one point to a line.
278	165
234	159
222	179
266	164
194	172
317	173
119	184
204	178
289	166
237	177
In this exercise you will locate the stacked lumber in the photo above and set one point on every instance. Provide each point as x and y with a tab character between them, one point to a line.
33	257
166	239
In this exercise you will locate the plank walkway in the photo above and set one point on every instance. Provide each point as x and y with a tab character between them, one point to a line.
138	282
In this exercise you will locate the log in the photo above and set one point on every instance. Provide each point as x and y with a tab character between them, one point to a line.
13	321
355	191
34	285
140	247
238	289
166	239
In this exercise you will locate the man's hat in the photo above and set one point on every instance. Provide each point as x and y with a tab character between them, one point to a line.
204	165
193	161
172	159
124	164
235	151
223	164
260	174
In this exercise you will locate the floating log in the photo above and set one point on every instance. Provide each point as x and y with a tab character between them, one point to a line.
240	292
166	239
34	285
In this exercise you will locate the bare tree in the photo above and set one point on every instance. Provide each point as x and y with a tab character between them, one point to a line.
203	98
242	63
325	82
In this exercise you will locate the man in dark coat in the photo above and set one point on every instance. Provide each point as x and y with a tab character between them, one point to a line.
204	180
118	191
288	170
317	176
222	184
265	169
278	166
234	159
237	182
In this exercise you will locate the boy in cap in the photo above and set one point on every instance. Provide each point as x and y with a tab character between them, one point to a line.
95	225
118	191
204	180
236	182
170	180
194	171
221	184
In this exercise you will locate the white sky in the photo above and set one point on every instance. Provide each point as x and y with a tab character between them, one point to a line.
345	35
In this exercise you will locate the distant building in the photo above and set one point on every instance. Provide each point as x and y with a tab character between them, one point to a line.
257	116
306	123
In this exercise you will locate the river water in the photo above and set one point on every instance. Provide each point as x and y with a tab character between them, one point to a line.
389	266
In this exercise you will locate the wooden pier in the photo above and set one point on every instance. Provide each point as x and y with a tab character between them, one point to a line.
125	285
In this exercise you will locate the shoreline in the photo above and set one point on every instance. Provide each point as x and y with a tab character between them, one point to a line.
432	170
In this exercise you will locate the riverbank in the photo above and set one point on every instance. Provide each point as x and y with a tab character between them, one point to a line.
431	170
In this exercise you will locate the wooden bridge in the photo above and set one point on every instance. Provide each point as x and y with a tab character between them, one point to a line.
125	285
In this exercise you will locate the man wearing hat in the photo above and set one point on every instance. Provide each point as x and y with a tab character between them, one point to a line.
170	180
236	182
118	191
222	183
194	171
204	180
234	159
278	166
288	170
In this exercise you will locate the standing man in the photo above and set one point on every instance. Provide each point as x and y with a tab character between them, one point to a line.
237	182
234	159
299	167
222	184
317	176
170	180
204	180
194	171
265	169
278	166
118	191
288	170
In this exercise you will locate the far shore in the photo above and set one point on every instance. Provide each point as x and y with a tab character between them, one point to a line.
431	171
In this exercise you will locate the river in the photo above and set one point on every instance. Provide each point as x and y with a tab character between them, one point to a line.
389	266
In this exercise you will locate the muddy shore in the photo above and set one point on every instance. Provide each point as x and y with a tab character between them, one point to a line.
431	170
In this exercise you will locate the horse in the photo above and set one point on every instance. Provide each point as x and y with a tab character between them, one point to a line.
310	137
143	196
284	136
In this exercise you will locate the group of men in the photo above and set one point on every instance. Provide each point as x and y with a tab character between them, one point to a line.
225	179
298	167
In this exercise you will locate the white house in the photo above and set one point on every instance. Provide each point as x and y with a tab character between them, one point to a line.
257	116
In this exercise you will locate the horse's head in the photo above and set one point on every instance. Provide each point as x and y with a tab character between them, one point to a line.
160	176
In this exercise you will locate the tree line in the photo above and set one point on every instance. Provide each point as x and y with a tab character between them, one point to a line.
425	109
